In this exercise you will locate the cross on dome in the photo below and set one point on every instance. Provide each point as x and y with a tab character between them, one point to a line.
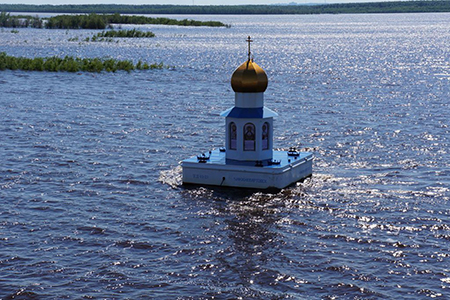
249	77
249	40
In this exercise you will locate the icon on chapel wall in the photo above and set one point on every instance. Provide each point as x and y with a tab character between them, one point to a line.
249	137
233	136
265	136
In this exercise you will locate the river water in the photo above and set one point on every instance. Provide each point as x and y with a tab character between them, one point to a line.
91	201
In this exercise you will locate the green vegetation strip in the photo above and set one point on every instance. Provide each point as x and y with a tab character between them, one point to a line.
107	36
125	34
70	64
93	21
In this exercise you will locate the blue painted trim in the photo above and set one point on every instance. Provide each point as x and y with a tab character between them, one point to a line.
249	113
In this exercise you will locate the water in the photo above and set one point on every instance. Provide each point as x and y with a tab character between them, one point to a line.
91	201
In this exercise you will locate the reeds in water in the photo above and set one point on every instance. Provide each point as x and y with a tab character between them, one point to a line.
71	64
133	33
107	36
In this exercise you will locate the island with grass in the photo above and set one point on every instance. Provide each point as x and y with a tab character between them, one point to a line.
71	64
94	21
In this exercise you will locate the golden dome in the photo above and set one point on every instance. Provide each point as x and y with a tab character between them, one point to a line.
249	78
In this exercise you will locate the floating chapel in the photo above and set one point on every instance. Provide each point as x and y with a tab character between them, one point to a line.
248	159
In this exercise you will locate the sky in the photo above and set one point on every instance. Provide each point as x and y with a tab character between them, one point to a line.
180	2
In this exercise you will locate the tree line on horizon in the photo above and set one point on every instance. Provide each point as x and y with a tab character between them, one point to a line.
366	7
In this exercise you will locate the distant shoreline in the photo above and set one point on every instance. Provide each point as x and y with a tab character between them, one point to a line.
347	8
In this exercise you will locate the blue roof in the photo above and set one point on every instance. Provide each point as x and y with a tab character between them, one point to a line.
251	113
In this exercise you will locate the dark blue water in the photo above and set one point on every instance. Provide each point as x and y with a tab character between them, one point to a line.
92	205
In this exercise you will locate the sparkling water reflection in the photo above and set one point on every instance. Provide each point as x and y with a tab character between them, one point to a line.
92	205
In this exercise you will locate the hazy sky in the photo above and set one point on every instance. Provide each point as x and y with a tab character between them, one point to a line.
186	2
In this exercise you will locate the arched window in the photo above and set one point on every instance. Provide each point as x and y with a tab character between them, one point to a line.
249	137
233	136
265	136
